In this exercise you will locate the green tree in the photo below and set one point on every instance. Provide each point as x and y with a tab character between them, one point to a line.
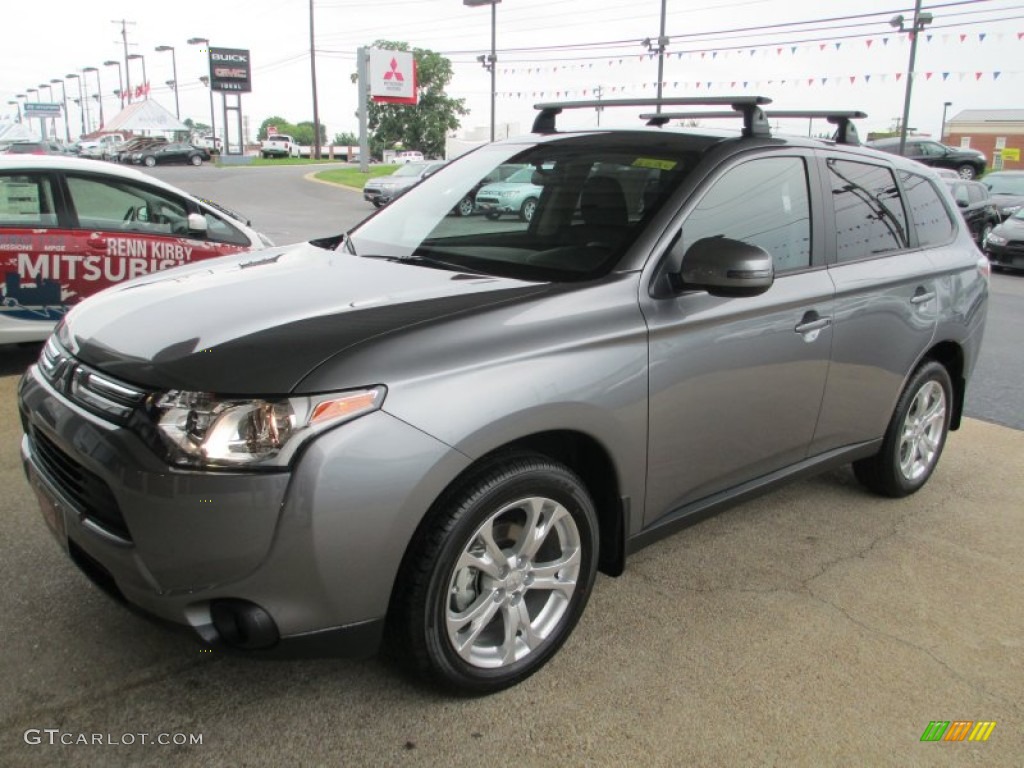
346	138
425	125
303	133
280	123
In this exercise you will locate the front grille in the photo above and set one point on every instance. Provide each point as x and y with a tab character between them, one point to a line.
86	490
87	387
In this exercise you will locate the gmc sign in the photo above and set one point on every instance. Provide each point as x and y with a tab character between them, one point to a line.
230	70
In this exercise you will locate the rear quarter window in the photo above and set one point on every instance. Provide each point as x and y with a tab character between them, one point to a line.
930	217
869	215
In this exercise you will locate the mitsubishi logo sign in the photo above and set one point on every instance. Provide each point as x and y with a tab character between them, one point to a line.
392	76
393	72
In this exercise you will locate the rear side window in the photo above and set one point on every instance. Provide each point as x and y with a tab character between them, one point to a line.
931	218
869	212
763	202
26	200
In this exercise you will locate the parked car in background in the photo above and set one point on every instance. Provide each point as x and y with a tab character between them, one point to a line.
408	156
165	154
36	148
1004	245
517	195
381	190
1007	191
209	143
70	227
965	161
279	145
978	209
122	153
467	205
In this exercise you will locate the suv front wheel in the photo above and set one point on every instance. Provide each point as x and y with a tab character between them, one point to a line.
915	436
501	577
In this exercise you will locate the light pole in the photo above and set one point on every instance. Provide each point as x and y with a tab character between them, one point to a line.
489	62
942	131
659	45
145	80
174	70
120	81
42	122
53	120
920	21
64	98
83	108
205	79
99	92
213	121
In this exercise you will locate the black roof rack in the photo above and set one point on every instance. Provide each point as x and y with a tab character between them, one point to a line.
754	123
846	131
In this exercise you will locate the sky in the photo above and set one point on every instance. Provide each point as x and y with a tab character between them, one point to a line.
802	54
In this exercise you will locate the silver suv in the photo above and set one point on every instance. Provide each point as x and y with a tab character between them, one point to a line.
434	430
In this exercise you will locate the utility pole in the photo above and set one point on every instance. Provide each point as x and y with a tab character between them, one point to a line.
124	42
312	70
362	76
599	92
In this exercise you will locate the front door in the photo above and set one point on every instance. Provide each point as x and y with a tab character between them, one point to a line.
736	383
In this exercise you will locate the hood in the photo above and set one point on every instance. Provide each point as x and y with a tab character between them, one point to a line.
258	323
1011	229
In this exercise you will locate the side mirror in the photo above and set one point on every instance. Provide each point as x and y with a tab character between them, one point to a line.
197	224
725	267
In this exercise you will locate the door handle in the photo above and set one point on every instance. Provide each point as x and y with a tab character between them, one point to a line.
811	324
921	296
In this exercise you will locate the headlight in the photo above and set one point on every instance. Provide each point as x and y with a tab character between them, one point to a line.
201	430
995	239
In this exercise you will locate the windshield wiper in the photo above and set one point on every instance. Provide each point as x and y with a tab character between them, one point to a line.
425	261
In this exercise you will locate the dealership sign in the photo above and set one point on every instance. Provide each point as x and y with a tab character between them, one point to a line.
42	109
392	76
230	70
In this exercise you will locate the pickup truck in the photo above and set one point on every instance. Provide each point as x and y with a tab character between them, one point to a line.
279	145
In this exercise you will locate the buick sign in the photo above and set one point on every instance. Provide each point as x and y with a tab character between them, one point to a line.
230	70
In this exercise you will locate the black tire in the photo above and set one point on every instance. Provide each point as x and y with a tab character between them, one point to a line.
528	208
149	161
196	160
264	155
434	595
967	171
465	207
899	468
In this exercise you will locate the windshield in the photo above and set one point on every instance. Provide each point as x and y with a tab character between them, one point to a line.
569	212
1004	185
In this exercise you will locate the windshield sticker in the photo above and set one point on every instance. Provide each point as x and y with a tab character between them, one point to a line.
651	162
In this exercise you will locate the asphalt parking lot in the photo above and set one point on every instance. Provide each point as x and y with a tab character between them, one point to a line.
814	626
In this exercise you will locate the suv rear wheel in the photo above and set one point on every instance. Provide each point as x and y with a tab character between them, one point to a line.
502	577
915	437
966	171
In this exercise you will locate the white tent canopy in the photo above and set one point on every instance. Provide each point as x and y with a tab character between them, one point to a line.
12	131
144	116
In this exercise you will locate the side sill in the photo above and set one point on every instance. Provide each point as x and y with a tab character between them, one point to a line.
699	510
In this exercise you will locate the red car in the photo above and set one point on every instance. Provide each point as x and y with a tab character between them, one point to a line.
70	227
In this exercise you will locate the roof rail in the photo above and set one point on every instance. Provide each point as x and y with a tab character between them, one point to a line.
754	123
846	131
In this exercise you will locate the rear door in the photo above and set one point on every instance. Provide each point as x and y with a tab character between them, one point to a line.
736	383
886	307
35	235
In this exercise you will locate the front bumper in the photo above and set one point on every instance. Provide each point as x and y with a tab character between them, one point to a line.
1010	256
316	549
